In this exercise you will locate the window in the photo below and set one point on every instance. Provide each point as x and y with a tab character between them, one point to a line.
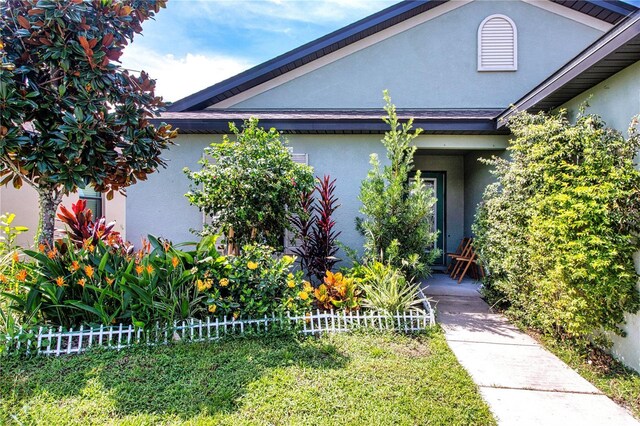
497	44
93	199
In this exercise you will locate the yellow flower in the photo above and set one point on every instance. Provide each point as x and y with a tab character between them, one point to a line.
89	271
290	276
212	308
82	282
291	283
236	315
303	295
307	286
204	285
224	282
175	261
60	281
139	269
288	260
252	265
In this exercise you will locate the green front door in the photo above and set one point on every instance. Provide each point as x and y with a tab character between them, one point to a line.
436	181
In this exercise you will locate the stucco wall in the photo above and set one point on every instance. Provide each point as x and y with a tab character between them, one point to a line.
23	203
477	176
434	65
617	100
158	206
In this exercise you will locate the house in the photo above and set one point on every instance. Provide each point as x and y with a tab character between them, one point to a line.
455	66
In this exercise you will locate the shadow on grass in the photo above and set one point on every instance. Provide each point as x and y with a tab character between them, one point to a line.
183	380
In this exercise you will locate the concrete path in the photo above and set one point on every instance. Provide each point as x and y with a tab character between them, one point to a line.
523	383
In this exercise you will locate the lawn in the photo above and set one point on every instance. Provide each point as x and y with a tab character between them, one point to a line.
362	378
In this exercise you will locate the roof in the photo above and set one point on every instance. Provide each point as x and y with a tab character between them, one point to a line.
606	10
614	51
361	121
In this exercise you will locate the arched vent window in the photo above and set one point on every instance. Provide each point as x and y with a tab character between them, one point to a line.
497	44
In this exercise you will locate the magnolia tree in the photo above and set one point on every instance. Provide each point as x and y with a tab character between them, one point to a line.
70	115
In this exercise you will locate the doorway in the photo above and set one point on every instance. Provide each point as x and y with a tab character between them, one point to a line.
437	182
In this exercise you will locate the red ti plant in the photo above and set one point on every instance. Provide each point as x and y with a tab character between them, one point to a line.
303	224
81	227
317	246
325	237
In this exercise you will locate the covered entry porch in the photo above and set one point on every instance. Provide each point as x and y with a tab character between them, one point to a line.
458	179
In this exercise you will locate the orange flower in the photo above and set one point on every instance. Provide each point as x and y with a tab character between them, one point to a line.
175	261
22	275
3	278
16	257
41	248
52	253
74	266
82	282
139	269
109	280
92	248
60	281
89	271
166	245
149	269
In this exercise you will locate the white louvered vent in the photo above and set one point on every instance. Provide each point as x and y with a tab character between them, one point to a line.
497	44
300	158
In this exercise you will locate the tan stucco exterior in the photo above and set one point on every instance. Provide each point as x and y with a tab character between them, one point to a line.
23	203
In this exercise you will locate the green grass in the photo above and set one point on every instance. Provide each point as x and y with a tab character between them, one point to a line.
372	379
610	376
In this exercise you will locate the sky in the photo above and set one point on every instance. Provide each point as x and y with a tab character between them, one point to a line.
193	44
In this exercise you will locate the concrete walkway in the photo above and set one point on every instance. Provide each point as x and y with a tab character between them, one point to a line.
523	383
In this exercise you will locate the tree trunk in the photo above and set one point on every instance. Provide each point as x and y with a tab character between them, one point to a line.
49	202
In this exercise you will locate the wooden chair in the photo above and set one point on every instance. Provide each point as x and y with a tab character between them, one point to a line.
464	244
464	263
457	260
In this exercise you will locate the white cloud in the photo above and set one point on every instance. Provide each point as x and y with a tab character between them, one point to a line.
177	77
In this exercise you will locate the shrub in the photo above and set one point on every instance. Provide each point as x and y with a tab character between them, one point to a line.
397	211
314	226
258	283
387	290
249	186
559	229
338	291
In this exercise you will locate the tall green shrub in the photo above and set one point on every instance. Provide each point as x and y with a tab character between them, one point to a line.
398	212
559	229
249	186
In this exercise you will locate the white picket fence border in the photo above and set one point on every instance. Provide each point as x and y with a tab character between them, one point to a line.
56	342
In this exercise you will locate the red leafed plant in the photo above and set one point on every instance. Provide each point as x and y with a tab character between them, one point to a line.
317	246
81	226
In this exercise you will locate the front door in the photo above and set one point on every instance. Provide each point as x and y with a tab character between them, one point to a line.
436	181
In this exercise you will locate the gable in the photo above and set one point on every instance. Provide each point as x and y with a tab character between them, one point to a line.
432	64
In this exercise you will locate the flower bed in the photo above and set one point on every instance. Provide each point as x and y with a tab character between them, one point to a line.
49	341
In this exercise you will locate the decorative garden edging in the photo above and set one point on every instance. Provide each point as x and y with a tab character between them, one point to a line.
49	341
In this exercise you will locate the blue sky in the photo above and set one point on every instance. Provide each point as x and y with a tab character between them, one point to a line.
193	44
